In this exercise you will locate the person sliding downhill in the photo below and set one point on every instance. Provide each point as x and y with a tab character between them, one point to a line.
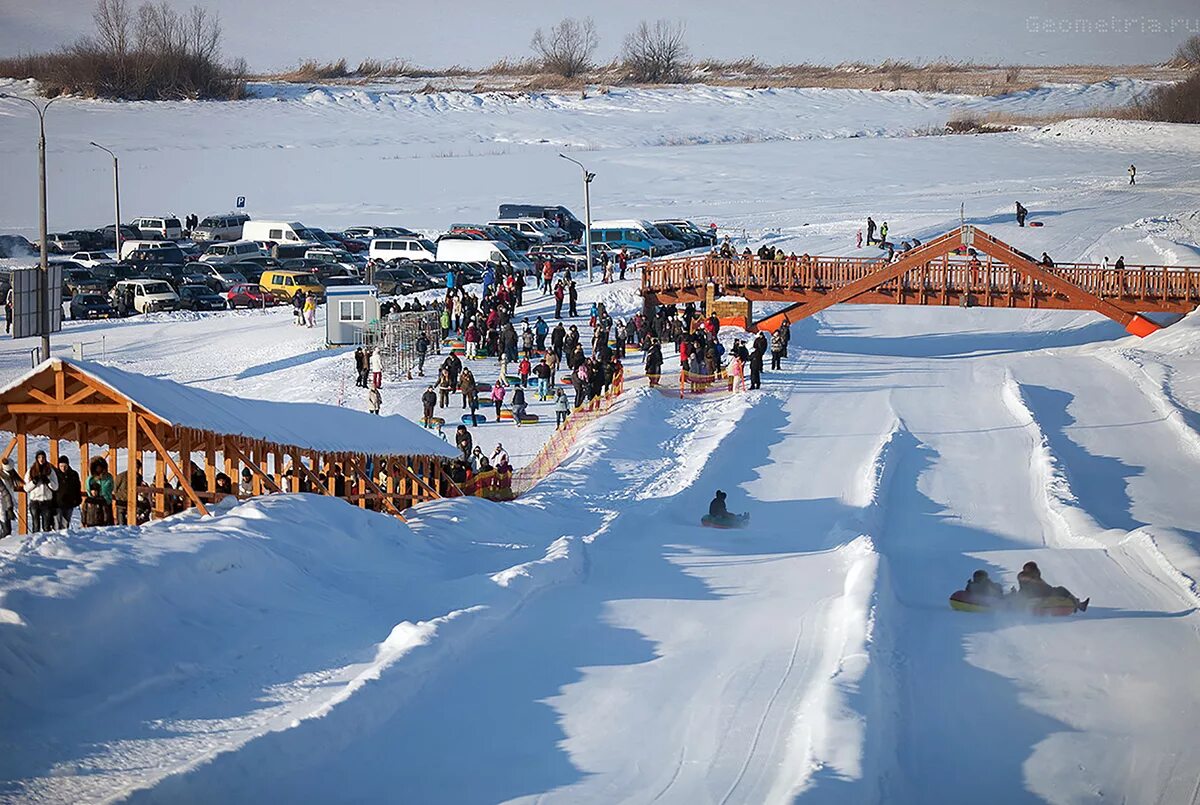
720	517
1032	586
982	586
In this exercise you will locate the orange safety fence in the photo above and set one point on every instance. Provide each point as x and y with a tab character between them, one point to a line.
691	383
562	441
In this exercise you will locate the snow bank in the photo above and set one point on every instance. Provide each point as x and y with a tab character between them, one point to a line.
1134	135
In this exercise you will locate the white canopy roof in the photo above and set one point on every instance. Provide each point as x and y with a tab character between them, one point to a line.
310	426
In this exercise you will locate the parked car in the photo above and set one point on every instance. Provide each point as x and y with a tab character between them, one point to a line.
369	233
158	227
89	239
76	280
352	245
632	232
171	255
199	297
232	252
16	246
277	232
220	227
144	295
90	305
91	259
248	294
284	284
391	281
631	252
60	243
558	215
405	248
529	229
685	240
110	242
562	255
708	235
222	276
128	247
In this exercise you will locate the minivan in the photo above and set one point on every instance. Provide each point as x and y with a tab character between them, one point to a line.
285	284
526	227
412	248
231	252
632	232
148	296
453	250
558	215
128	247
220	227
163	227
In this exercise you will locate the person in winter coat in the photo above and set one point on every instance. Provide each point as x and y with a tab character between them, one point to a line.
499	456
883	233
428	400
70	493
298	299
246	485
654	362
467	387
374	400
1033	586
559	293
540	331
527	340
376	364
498	396
557	339
870	230
471	337
777	349
739	374
562	408
523	369
8	499
1133	174
519	406
756	362
1021	213
98	474
544	375
95	511
572	299
463	441
981	586
422	351
360	366
41	482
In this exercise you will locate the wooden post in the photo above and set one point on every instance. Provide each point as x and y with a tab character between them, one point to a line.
81	435
210	462
160	481
22	468
132	455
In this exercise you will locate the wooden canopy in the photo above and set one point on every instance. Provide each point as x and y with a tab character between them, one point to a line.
78	403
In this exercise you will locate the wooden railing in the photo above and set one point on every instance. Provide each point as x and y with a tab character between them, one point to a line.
940	281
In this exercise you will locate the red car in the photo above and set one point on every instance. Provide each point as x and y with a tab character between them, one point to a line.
247	294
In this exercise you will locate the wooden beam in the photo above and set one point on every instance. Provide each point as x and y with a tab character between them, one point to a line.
22	468
79	396
64	410
12	444
60	384
132	456
240	456
185	482
408	470
41	397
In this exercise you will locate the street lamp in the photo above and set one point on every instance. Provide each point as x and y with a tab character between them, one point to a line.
116	194
587	211
45	266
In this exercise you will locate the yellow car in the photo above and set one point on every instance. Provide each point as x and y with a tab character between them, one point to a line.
285	284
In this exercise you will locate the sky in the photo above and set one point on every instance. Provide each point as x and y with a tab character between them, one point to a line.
272	34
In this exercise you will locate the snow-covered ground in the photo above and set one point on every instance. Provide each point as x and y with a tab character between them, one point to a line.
590	642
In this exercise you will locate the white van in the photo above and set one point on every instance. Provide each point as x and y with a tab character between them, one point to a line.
411	248
231	252
128	247
220	227
159	227
453	250
277	232
146	296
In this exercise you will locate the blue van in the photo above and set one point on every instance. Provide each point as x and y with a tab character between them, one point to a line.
631	232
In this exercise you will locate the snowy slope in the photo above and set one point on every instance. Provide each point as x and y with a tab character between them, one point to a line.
590	643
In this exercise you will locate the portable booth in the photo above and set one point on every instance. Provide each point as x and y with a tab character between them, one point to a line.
349	311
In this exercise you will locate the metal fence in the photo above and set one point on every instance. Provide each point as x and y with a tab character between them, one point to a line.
396	339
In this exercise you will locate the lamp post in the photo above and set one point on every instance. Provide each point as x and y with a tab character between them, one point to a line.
587	211
116	195
44	293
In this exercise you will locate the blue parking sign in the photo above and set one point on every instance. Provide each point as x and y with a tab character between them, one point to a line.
241	202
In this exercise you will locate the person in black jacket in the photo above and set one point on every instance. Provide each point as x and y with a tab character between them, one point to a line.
756	361
428	401
69	495
1021	213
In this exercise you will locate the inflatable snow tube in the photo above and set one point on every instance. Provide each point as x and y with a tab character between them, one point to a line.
512	380
1053	606
479	419
506	414
528	419
730	521
1036	223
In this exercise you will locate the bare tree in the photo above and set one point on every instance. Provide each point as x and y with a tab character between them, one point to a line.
112	20
656	53
568	47
1189	52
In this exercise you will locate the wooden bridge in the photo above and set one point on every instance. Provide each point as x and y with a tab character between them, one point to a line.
966	267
